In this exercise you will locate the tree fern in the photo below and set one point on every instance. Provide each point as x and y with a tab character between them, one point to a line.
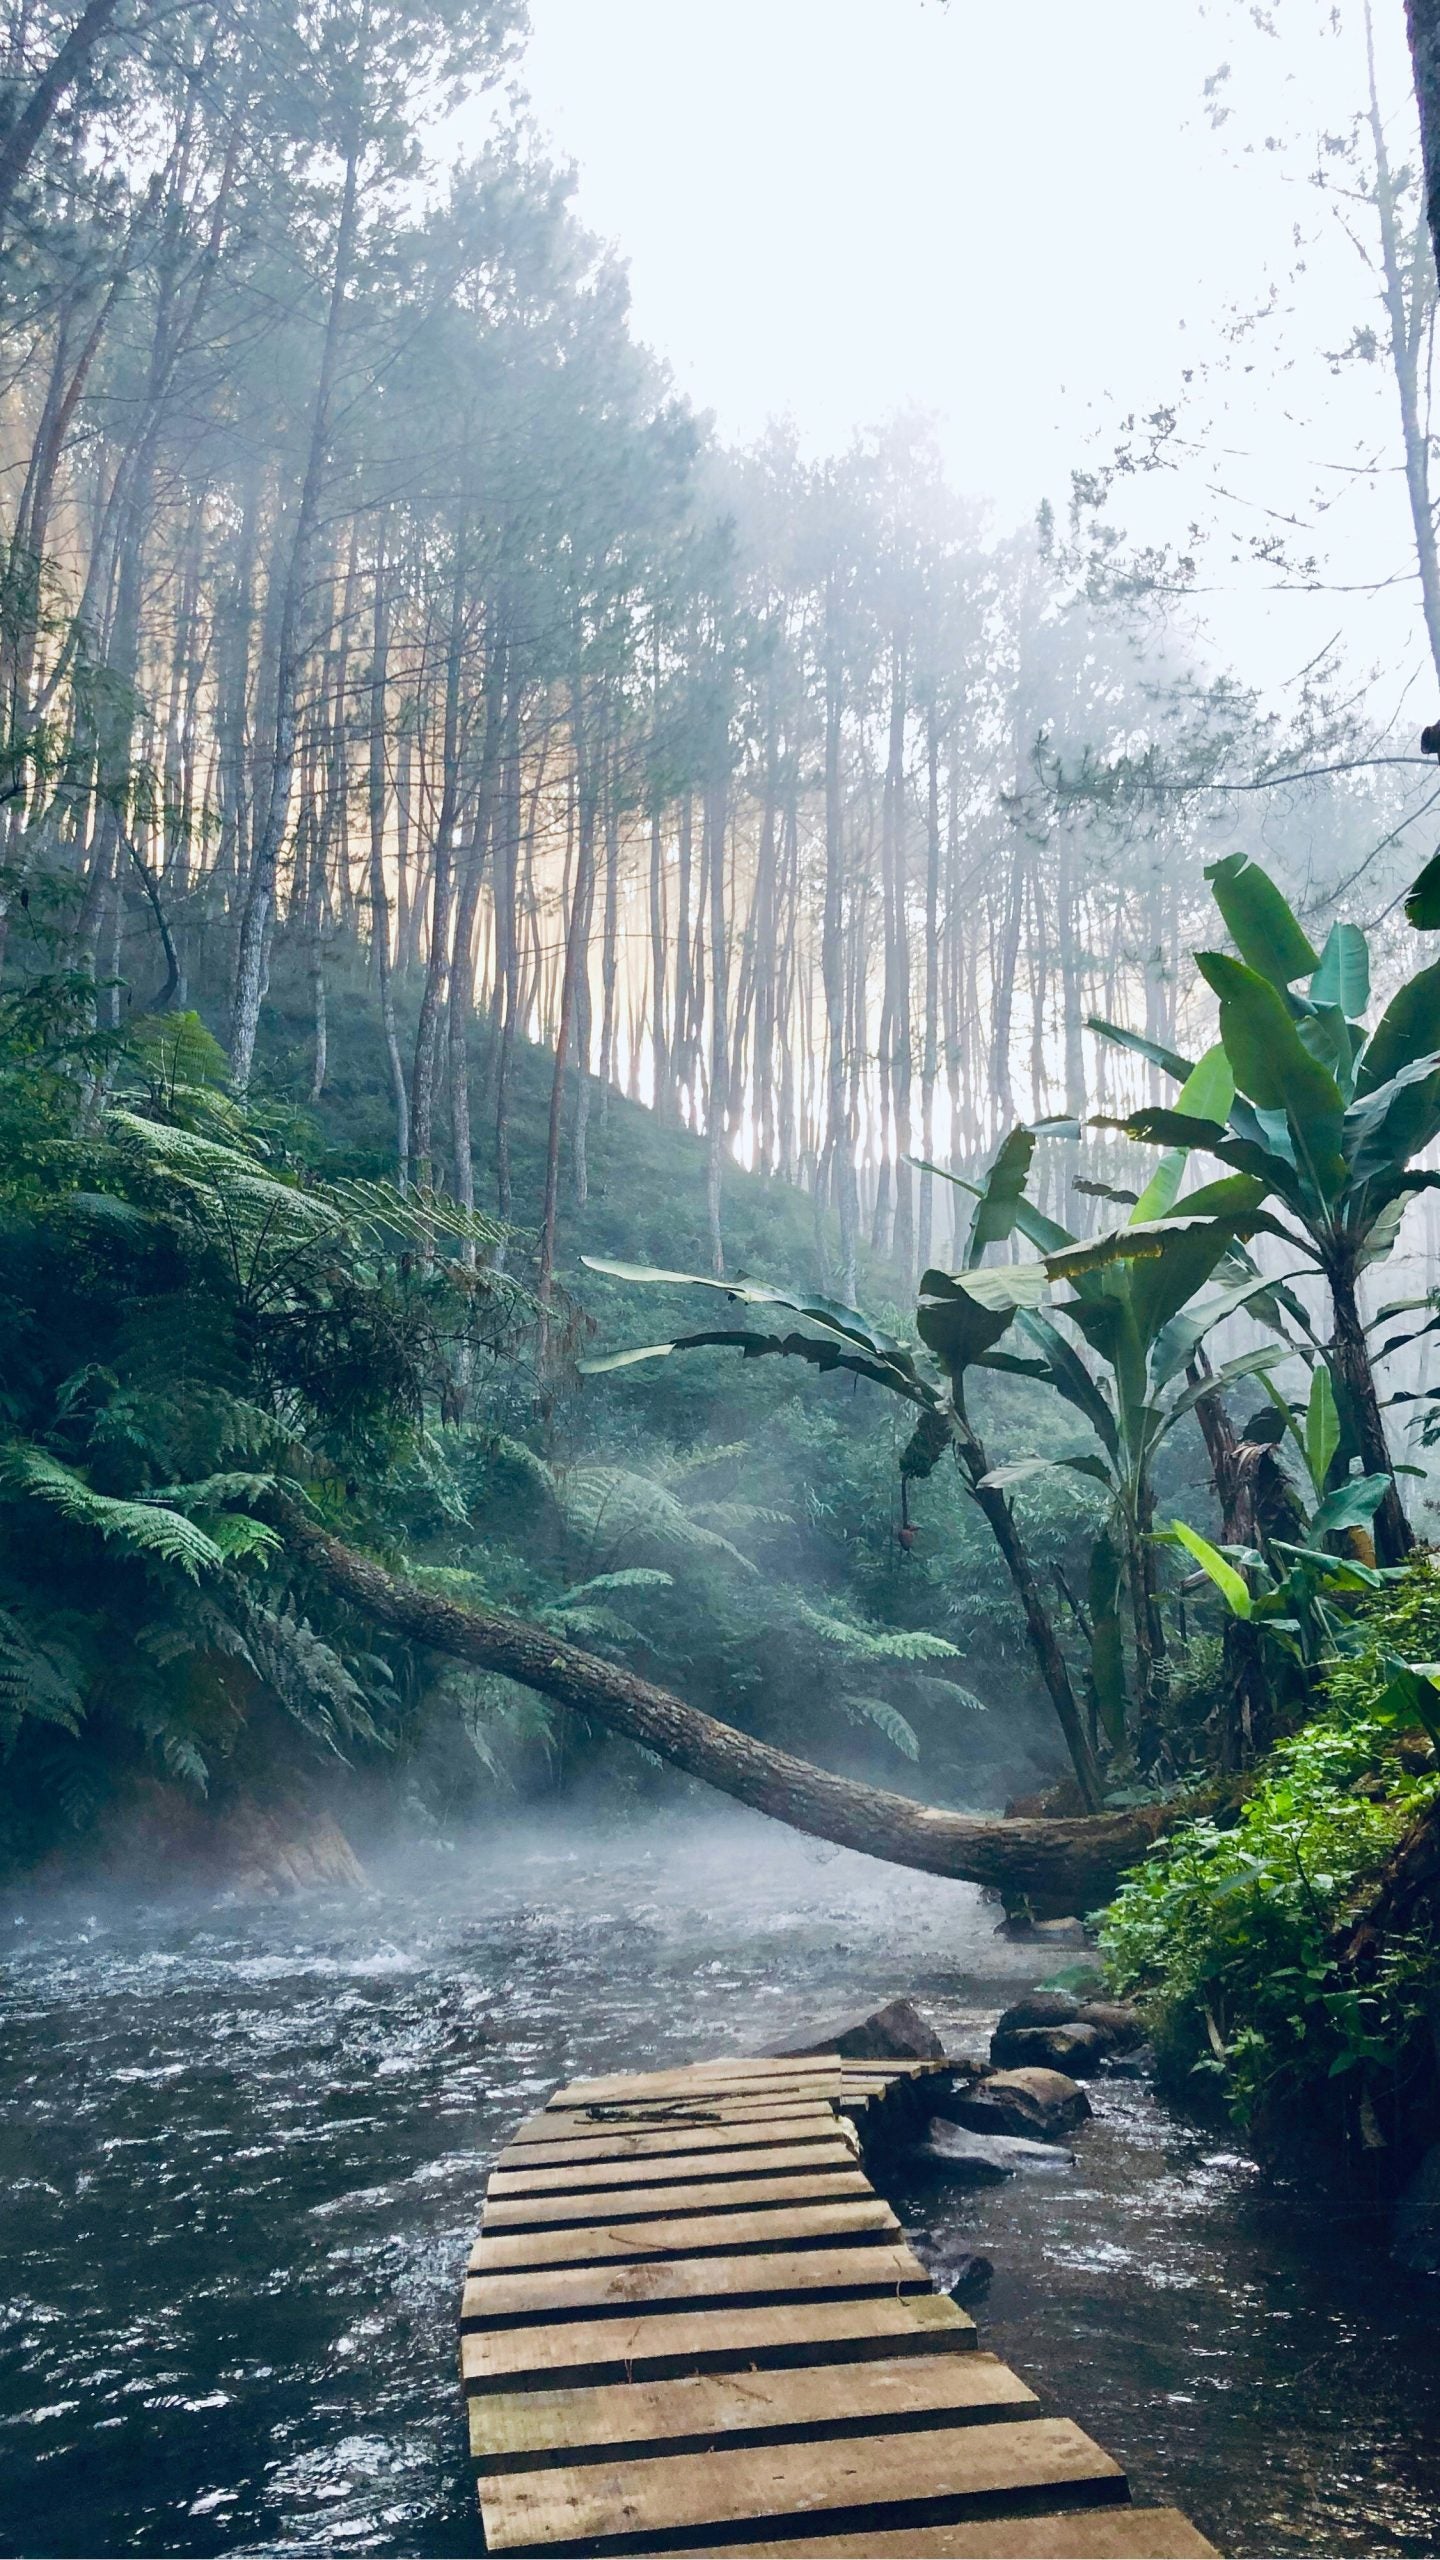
872	1644
142	1529
40	1679
886	1718
612	1509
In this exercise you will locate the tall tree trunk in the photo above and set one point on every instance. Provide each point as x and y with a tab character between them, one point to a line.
437	958
290	656
840	1136
379	894
37	113
717	1113
1422	18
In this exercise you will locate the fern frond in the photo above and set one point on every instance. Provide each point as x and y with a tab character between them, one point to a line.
873	1644
887	1719
141	1529
634	1577
303	1672
589	1624
39	1679
612	1508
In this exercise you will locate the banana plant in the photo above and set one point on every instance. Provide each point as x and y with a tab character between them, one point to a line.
963	1319
1141	1319
1326	1122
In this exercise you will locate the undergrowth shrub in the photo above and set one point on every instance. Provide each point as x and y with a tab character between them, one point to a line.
1229	1936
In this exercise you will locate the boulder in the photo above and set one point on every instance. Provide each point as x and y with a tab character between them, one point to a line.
896	2033
1119	2024
970	2277
983	2159
1040	2009
1028	2101
1076	2049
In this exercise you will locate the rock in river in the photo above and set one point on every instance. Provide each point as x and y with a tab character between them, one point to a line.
983	2159
1025	2102
1077	2049
1120	2025
896	2033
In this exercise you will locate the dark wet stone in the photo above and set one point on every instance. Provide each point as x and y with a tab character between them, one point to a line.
1119	2024
1028	2101
896	2033
1040	2009
1076	2049
984	2159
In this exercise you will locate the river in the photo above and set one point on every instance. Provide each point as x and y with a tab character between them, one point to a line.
244	2148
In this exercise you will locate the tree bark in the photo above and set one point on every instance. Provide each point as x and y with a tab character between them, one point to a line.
260	896
1422	18
62	70
1394	1537
1076	1864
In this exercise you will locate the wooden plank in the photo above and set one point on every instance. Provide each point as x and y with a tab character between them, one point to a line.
515	2428
506	2212
687	2107
700	2077
674	2235
562	2124
864	2479
621	2142
880	2267
803	2161
1095	2533
754	2337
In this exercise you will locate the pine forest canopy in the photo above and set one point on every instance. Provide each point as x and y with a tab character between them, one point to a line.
371	608
365	579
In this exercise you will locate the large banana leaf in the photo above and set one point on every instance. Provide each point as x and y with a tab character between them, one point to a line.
1023	1470
832	1313
1159	1056
1343	977
1422	903
1000	1193
1067	1373
821	1352
1396	1121
1272	1065
1263	926
1160	1288
1409	1028
959	1320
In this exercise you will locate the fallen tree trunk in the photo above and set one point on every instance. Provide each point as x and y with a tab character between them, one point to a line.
1065	1865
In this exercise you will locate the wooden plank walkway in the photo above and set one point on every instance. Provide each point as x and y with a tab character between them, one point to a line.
690	2324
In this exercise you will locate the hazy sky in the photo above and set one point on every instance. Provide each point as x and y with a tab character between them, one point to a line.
1020	218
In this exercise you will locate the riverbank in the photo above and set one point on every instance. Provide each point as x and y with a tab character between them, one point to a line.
247	2145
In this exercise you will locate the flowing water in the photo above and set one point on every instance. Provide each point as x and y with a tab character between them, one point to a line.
244	2149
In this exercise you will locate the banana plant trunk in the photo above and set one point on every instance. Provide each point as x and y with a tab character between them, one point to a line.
1354	1375
1039	1625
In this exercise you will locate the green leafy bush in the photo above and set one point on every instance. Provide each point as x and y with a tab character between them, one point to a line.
1229	1936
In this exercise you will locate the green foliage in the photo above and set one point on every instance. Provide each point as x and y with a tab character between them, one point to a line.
1230	1935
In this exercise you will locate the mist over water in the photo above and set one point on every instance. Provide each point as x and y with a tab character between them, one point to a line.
244	2151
